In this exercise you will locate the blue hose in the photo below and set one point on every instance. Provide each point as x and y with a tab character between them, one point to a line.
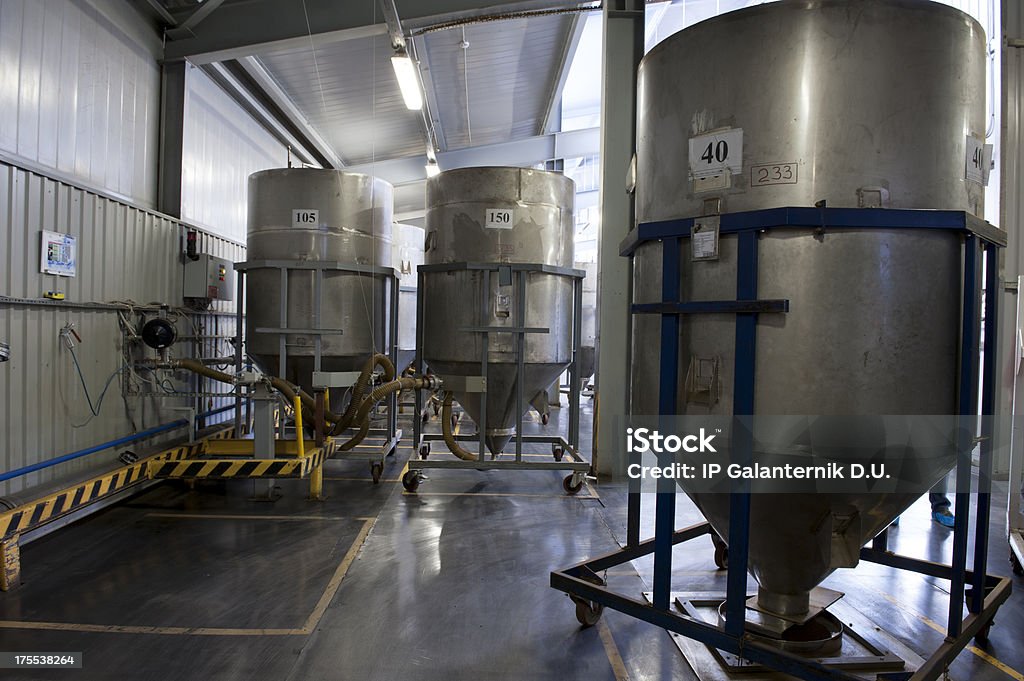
142	435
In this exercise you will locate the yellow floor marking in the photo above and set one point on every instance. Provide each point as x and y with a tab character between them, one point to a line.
991	659
339	574
500	494
612	651
366	479
282	518
307	628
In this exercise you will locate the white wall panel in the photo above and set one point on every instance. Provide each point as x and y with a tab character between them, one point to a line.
125	253
223	145
79	93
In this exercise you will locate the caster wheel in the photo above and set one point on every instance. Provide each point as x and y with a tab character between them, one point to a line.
1015	564
721	552
558	453
411	481
544	418
426	417
722	557
424	450
588	613
376	469
570	488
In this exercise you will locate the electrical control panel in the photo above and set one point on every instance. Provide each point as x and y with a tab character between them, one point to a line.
209	277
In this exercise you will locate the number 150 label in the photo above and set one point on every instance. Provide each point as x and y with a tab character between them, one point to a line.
498	218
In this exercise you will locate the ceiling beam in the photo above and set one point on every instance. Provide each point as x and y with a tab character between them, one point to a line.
579	22
525	152
184	29
240	29
273	91
240	93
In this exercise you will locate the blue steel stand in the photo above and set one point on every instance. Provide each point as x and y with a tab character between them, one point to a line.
583	582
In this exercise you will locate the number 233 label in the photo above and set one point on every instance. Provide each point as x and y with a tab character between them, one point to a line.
773	173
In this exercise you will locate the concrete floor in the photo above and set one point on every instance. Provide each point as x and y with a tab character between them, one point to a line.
373	583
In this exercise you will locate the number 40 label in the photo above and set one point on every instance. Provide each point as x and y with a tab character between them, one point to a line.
498	218
717	152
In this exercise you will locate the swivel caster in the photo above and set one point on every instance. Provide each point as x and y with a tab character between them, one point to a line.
721	553
557	452
424	450
588	613
376	470
411	481
572	485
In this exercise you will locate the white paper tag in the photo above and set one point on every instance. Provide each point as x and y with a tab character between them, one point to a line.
305	217
717	152
498	218
704	239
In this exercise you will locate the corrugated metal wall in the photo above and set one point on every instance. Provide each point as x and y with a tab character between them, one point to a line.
124	253
223	145
79	95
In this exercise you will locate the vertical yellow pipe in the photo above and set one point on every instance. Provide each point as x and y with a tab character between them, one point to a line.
300	437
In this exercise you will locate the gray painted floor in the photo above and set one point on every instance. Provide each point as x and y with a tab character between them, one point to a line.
374	583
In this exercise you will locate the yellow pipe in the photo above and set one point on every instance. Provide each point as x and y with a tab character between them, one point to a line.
299	437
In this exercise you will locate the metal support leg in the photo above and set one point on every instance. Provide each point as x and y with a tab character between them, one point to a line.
10	564
665	504
316	476
987	431
967	403
264	402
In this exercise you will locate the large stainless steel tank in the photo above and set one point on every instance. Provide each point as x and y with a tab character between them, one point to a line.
541	232
407	257
871	103
588	331
342	217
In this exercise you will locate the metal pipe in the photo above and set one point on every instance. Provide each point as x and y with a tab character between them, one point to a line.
142	435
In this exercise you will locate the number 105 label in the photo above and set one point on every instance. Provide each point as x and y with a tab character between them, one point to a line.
773	173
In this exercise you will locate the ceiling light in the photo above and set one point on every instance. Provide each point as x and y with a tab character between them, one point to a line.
408	80
432	169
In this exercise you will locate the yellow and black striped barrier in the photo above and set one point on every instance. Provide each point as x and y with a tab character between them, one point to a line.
40	511
296	467
21	519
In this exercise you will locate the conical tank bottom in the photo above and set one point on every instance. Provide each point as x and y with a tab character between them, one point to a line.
299	368
797	539
501	395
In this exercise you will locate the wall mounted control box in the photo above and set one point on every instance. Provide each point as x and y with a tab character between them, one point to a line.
209	277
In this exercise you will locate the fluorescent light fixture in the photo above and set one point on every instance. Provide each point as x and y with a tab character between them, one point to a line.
432	169
408	81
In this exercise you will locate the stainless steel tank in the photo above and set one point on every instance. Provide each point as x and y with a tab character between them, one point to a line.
407	256
588	334
867	103
540	231
298	215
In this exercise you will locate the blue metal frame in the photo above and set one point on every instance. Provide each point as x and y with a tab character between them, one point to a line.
987	592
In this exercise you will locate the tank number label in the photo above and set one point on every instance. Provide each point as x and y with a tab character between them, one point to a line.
773	173
979	160
498	218
305	217
717	152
